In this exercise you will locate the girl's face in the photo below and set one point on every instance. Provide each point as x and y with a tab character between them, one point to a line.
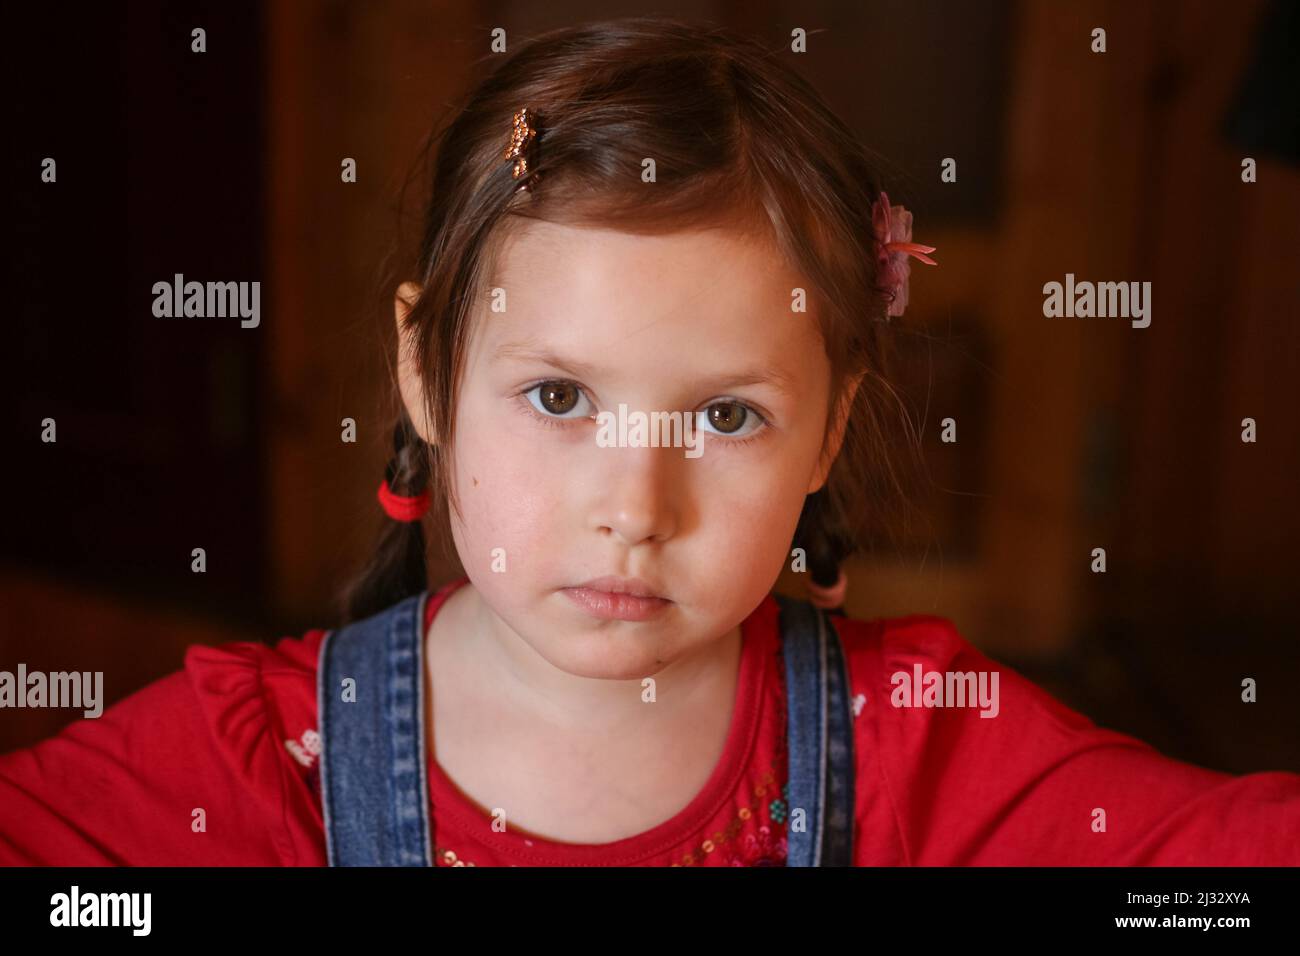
688	323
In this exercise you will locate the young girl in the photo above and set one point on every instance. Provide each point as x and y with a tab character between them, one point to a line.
630	220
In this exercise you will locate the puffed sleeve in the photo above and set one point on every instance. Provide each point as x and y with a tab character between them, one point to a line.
190	770
1037	783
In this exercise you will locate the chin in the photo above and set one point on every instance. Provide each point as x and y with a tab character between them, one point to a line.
603	655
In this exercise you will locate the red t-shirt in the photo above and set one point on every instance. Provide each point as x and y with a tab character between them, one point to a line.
217	765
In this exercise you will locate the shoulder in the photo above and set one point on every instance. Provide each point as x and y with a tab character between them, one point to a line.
285	656
272	675
196	767
962	760
932	716
926	689
923	663
926	634
875	649
905	638
252	694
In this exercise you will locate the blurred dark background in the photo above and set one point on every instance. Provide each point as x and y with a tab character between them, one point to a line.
1072	433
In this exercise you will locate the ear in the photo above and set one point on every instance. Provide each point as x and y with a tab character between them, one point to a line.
835	435
409	379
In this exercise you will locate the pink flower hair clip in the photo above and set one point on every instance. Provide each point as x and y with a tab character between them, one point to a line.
893	228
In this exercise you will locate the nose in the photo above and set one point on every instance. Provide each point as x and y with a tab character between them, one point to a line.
637	501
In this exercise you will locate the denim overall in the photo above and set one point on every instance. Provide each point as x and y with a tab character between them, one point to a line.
373	770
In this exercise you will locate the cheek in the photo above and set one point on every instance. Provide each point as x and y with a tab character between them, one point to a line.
749	515
509	498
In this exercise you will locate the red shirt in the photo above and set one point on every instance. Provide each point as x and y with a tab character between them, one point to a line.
217	765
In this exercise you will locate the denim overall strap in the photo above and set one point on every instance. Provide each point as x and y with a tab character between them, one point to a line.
820	736
374	791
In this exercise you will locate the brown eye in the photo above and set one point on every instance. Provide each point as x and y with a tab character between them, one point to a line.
727	417
558	397
559	400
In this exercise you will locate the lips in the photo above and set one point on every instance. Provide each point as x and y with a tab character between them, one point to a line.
618	599
616	585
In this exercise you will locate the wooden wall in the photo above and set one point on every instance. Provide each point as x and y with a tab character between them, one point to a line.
364	81
1073	433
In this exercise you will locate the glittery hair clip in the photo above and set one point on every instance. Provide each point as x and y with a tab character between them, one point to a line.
523	143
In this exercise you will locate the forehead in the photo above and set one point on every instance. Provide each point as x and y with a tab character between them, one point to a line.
678	297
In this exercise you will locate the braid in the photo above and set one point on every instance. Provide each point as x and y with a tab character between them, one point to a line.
397	569
824	545
408	470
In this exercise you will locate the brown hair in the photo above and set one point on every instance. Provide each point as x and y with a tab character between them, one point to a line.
738	138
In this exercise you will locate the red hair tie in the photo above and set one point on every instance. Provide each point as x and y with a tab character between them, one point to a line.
401	507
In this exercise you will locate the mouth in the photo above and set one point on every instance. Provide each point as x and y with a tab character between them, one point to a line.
620	599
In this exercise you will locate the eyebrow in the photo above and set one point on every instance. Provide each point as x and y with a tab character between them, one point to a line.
777	378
